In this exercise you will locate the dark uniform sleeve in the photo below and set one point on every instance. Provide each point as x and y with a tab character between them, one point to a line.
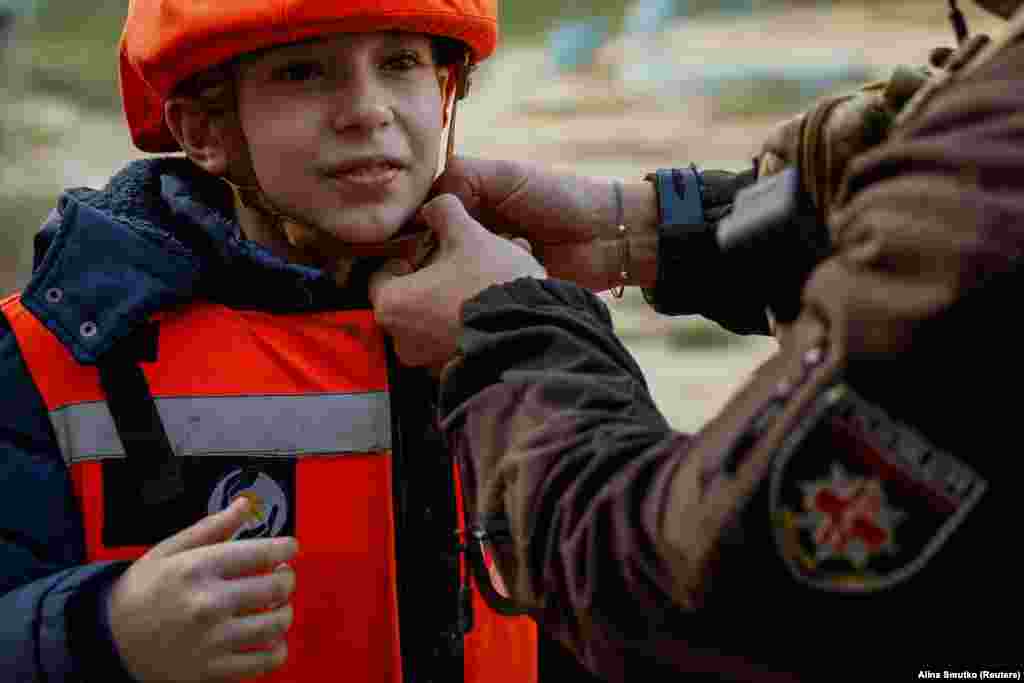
556	429
635	545
52	625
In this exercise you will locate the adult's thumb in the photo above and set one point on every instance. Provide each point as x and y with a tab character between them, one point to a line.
447	217
390	270
210	530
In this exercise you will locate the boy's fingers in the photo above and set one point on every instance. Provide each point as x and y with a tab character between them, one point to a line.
255	631
212	529
249	663
246	557
254	593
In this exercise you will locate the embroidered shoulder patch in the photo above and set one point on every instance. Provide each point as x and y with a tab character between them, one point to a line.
859	501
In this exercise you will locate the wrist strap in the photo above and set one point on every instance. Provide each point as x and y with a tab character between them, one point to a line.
680	196
680	210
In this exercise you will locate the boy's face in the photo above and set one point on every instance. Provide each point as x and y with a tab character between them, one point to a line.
344	132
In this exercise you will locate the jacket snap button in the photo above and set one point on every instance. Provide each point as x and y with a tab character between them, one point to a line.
54	295
88	329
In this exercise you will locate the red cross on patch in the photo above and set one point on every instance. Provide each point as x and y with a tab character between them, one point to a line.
848	516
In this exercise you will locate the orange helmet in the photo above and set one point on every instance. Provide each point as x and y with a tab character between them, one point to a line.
166	41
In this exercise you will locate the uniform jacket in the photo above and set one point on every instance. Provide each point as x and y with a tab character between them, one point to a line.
159	243
732	551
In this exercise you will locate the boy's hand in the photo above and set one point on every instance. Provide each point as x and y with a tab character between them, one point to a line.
569	220
422	310
198	607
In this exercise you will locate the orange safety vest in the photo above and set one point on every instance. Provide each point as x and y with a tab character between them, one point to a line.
293	410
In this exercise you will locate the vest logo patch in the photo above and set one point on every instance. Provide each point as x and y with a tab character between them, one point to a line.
860	502
211	483
268	501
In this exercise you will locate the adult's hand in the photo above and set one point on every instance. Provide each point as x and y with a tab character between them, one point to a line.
422	309
825	140
569	220
200	608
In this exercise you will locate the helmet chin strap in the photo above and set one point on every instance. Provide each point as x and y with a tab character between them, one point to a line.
461	73
413	243
956	17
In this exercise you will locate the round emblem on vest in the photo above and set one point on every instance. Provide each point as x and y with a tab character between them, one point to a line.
269	503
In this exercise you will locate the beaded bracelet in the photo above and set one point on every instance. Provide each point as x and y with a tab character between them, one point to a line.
621	233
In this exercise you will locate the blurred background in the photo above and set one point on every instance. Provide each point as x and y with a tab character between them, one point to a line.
613	88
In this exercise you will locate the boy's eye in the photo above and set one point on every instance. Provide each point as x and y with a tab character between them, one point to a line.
403	61
298	72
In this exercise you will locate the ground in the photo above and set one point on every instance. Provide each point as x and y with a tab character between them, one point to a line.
704	91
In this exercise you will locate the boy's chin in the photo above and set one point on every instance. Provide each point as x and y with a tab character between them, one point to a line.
327	243
367	227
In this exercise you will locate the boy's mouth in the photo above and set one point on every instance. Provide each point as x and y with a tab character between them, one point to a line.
368	172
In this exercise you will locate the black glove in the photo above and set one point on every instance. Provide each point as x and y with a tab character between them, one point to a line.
694	277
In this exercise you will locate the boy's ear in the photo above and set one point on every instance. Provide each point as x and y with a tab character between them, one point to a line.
199	132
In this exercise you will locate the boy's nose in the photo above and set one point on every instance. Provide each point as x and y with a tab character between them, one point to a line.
361	107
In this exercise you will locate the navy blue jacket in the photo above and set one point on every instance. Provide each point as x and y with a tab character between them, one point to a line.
160	233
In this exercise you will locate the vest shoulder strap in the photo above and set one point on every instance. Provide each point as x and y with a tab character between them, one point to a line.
138	423
434	612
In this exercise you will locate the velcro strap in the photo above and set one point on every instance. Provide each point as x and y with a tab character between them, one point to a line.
679	196
136	417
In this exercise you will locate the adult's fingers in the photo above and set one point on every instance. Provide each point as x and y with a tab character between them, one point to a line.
245	557
479	183
520	242
499	193
383	277
448	218
210	530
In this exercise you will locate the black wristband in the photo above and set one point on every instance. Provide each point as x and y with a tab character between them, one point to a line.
693	276
680	195
680	216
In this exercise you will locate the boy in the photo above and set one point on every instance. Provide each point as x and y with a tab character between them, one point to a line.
194	361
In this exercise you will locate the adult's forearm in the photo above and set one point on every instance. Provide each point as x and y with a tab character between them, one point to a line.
556	431
584	245
641	211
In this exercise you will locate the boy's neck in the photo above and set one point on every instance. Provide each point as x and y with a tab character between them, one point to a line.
298	244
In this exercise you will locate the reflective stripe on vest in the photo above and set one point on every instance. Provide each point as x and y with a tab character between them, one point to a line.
245	425
292	410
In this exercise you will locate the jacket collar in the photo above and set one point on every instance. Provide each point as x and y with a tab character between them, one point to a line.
160	234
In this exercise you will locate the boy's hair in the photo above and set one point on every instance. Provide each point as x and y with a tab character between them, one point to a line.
447	51
212	88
